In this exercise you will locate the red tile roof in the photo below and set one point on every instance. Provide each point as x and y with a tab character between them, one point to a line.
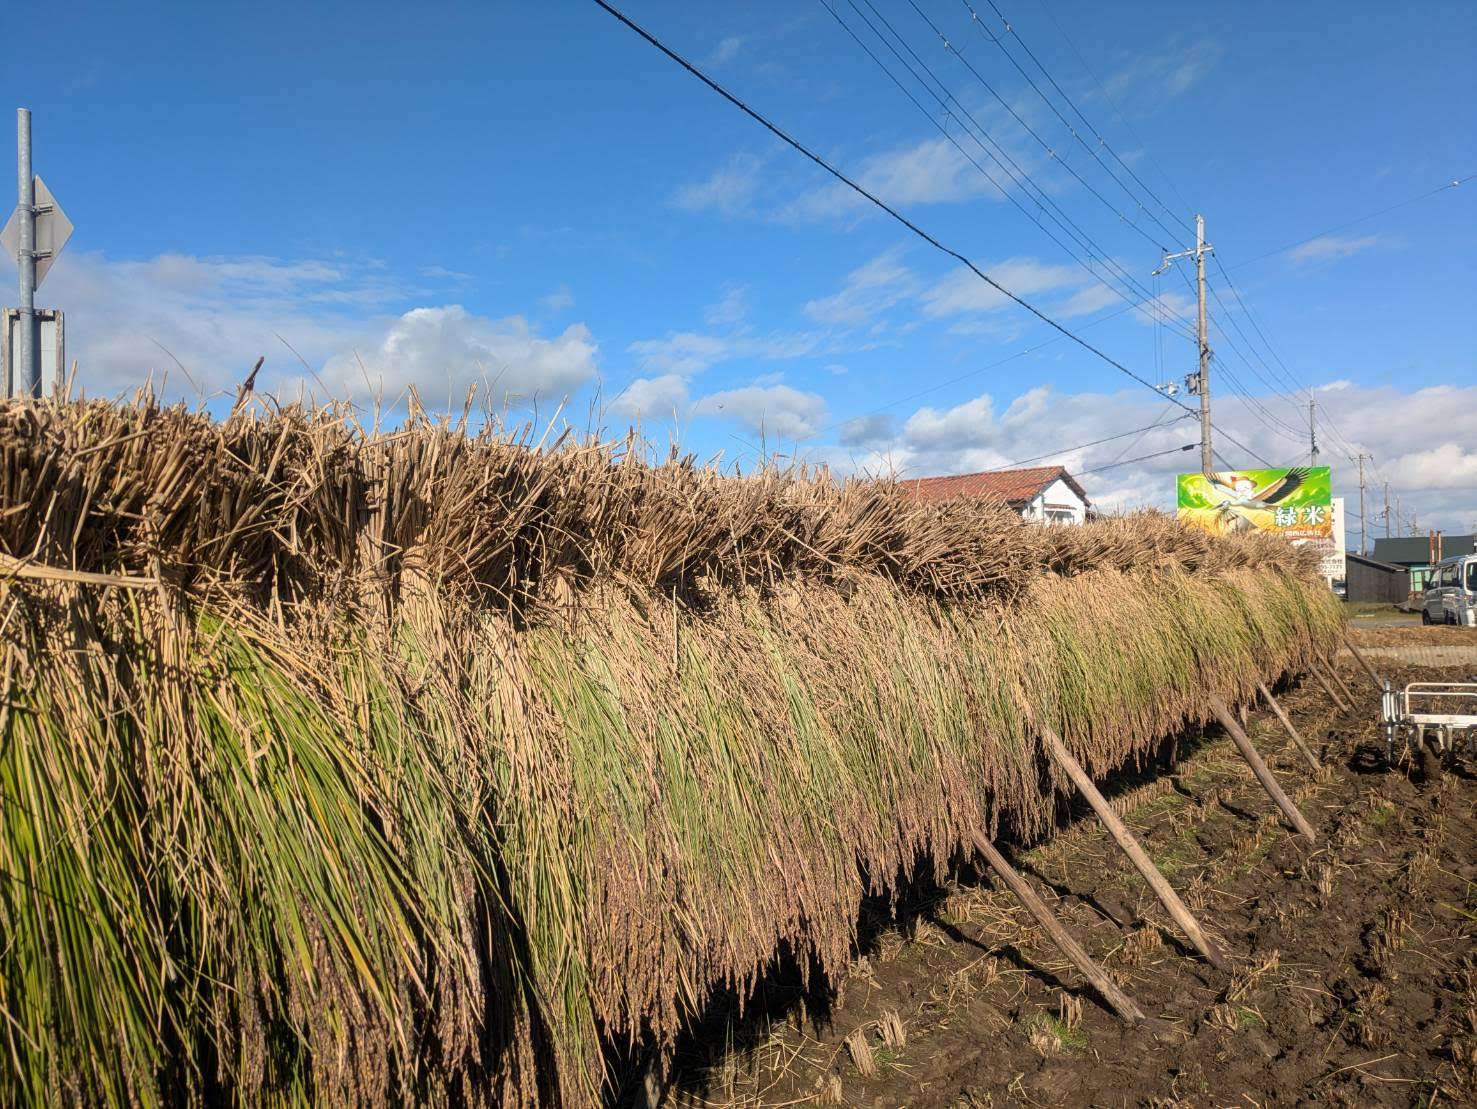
1014	487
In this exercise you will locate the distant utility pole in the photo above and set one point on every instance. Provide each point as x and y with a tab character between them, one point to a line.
1360	461
1312	428
1387	510
1199	382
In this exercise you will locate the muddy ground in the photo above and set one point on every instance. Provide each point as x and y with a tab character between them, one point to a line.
1353	974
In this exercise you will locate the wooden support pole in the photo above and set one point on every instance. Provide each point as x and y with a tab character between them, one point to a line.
1332	693
1145	866
1286	723
654	1081
1339	680
1108	989
1364	662
1259	768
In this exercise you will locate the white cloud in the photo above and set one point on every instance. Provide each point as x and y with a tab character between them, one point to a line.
730	191
652	398
1420	441
726	50
691	352
1163	74
559	300
930	172
962	290
869	290
1330	247
731	308
128	320
443	351
774	411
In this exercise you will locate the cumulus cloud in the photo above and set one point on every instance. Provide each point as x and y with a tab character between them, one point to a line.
1419	441
447	350
203	321
1331	247
656	398
773	411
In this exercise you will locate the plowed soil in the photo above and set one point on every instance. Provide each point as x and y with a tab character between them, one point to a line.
1353	975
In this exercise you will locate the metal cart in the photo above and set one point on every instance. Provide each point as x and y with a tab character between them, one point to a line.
1444	712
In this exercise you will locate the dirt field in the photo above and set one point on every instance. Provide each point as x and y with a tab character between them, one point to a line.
1354	974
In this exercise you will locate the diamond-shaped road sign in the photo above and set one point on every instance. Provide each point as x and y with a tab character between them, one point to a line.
53	229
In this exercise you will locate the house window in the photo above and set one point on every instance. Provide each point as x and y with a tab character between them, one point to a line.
1060	516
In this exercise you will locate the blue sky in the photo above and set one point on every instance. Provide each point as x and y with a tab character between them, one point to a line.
530	198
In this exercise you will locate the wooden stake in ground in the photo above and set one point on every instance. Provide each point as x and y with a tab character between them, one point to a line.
1108	989
1339	679
1286	723
654	1081
1145	866
1332	693
1364	662
1259	768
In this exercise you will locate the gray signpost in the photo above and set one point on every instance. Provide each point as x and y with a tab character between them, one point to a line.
34	235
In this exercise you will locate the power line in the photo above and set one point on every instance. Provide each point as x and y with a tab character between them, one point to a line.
796	145
800	148
1046	146
1140	458
999	42
1084	446
1021	178
1360	219
1121	119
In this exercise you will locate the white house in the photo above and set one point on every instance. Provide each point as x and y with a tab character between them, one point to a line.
1044	493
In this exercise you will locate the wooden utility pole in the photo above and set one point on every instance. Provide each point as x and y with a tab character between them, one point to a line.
1387	510
1199	382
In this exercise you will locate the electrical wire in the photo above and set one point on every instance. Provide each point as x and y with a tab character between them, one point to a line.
992	149
1140	458
800	148
1084	446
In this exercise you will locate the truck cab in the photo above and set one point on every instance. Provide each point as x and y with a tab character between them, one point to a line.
1451	595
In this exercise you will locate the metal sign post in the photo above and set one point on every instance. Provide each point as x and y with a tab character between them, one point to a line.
34	235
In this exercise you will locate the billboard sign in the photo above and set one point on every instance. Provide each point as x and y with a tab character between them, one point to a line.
1296	504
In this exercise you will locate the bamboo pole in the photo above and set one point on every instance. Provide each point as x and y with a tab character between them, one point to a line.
654	1082
1339	679
1259	768
1364	662
1332	693
1125	839
1108	989
1287	724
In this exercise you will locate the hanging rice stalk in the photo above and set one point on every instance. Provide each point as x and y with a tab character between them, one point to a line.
358	767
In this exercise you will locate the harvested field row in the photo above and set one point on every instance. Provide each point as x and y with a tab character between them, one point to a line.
352	767
1354	977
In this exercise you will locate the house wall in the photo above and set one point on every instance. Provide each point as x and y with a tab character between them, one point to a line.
1057	503
1370	583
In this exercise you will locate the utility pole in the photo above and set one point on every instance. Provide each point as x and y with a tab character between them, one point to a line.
1387	510
1312	428
27	364
1199	382
1361	462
